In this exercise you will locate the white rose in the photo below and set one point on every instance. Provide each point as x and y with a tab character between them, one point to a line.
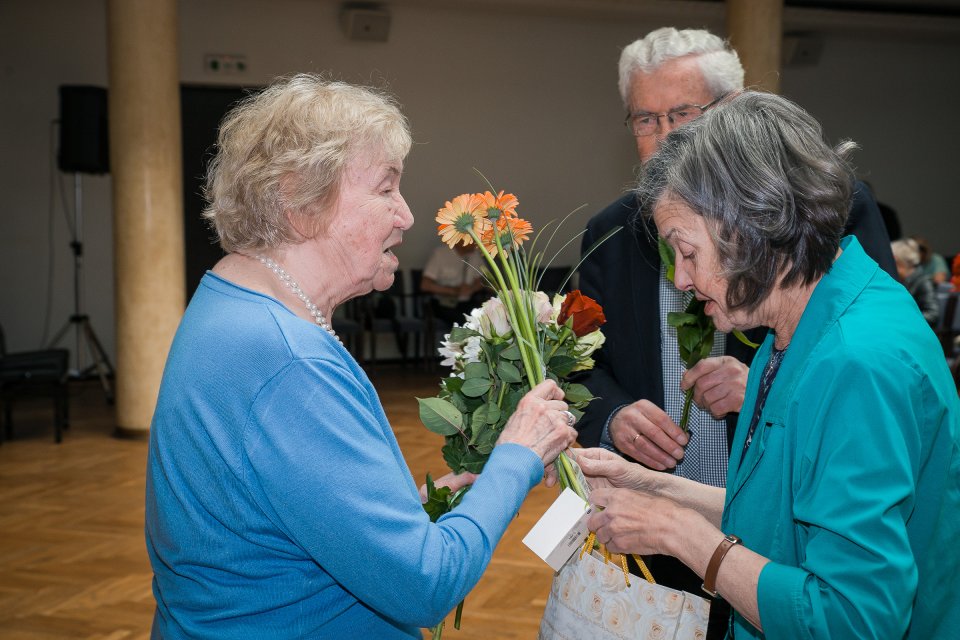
589	343
542	306
618	614
672	602
611	577
494	319
593	603
571	587
558	299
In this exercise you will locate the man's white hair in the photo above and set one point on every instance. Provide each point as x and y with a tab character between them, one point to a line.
719	63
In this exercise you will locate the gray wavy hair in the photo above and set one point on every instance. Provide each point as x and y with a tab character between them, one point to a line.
719	63
775	196
285	149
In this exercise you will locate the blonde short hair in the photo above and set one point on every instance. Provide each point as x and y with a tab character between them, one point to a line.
285	149
906	252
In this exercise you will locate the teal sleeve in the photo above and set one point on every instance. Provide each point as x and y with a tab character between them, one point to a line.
854	488
333	479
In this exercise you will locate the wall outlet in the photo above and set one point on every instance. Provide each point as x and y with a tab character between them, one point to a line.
225	64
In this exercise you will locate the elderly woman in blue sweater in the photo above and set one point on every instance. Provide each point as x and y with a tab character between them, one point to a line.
841	511
278	502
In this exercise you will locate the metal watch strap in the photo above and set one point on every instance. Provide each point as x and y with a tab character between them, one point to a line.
713	567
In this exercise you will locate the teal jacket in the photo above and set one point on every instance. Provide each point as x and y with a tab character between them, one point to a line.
851	486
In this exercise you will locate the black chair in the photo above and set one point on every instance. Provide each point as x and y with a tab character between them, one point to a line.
434	327
34	373
347	323
391	312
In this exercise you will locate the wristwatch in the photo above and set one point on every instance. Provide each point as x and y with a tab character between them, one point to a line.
713	567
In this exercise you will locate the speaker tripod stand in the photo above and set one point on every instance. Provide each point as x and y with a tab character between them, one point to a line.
79	321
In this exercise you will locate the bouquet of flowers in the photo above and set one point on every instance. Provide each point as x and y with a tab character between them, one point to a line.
510	344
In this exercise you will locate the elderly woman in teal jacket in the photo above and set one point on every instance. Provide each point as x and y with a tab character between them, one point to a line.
842	508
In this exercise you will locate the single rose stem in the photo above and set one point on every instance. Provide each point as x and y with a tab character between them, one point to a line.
687	401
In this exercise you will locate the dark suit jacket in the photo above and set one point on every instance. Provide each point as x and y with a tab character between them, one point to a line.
623	276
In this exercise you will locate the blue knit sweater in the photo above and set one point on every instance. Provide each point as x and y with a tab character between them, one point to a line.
278	502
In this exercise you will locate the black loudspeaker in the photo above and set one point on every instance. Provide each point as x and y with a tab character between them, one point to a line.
84	146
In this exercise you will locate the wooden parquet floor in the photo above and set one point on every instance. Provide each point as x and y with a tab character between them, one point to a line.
73	562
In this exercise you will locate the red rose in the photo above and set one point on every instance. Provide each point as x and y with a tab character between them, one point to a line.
586	313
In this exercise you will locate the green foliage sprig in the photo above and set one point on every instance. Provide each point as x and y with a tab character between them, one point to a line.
695	330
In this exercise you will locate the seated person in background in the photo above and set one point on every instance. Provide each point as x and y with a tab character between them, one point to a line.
931	263
278	502
955	278
919	284
454	278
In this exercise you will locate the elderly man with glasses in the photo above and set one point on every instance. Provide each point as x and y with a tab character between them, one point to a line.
667	79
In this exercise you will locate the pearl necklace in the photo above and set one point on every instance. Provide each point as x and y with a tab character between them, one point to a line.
285	278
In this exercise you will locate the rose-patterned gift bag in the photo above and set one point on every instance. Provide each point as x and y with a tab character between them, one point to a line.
590	600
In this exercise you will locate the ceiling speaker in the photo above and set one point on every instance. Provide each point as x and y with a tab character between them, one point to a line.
366	23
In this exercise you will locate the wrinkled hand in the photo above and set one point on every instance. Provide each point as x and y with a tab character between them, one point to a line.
452	480
604	469
646	433
718	384
540	422
632	521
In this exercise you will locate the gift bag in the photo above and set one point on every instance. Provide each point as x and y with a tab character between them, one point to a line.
590	600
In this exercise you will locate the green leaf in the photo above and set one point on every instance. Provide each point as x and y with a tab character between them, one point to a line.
681	319
440	416
492	412
476	370
460	334
453	453
575	393
668	258
452	384
459	401
476	387
511	353
561	365
508	372
486	441
744	339
436	504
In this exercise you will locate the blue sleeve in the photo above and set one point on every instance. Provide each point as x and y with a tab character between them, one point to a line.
332	478
854	490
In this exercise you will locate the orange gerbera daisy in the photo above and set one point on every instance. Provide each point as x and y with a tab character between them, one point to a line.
504	204
512	231
459	216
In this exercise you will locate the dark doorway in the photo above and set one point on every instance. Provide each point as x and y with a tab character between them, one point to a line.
202	109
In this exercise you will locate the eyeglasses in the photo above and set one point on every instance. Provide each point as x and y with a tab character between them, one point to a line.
645	124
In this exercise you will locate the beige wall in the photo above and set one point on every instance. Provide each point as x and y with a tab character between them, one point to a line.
528	97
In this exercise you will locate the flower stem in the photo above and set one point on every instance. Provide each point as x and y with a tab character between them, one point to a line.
685	416
437	631
456	618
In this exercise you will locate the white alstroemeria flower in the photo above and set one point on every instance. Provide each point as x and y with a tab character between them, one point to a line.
474	320
471	350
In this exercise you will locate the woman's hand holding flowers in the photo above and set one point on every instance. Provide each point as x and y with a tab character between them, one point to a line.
540	423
